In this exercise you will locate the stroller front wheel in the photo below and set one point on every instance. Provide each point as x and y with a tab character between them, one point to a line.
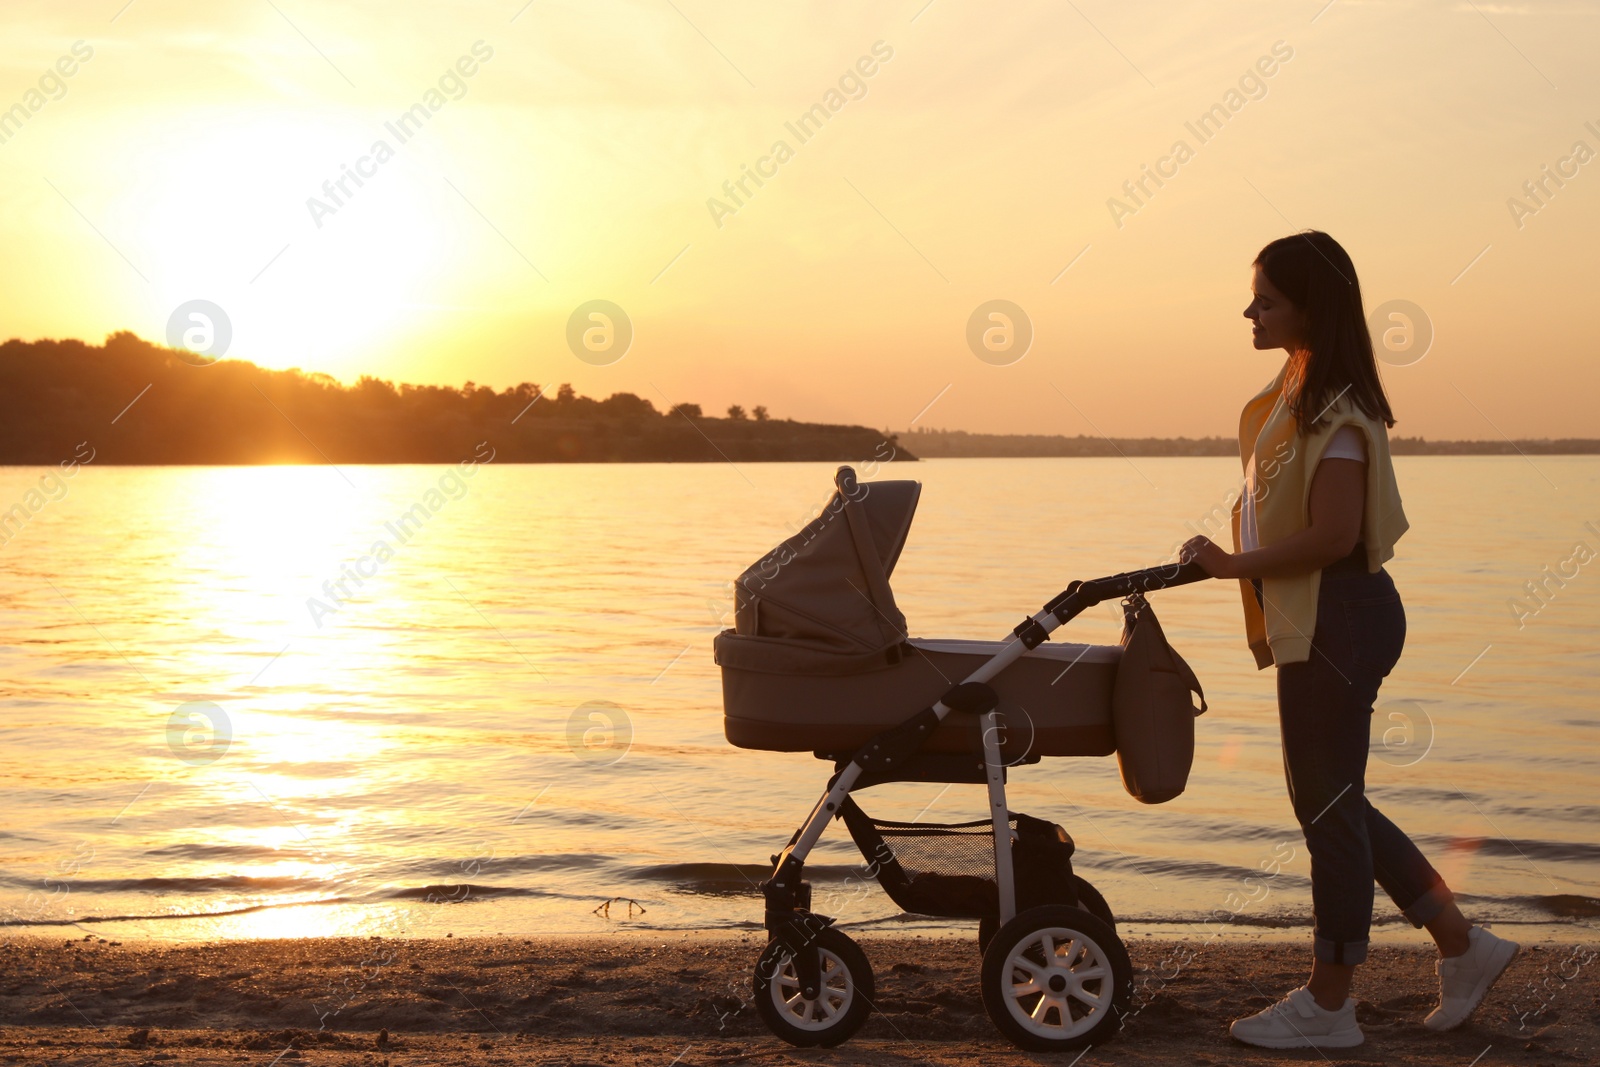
836	1013
1056	978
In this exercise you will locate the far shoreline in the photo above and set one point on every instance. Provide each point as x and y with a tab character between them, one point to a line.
129	402
959	444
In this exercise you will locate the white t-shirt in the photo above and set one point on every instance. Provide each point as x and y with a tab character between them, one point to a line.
1348	443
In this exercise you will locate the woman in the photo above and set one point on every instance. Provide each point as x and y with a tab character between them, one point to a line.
1318	519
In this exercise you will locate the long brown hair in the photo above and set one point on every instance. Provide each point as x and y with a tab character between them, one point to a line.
1316	274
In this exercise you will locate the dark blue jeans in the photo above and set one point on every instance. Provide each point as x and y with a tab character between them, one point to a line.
1325	714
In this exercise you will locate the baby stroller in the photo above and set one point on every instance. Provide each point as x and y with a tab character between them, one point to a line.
818	660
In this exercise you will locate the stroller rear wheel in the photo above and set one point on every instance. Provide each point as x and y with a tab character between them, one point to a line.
1089	899
1056	978
832	1017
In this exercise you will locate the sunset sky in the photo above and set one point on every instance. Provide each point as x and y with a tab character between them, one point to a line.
974	162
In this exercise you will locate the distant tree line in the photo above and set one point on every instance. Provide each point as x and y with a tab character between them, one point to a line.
140	403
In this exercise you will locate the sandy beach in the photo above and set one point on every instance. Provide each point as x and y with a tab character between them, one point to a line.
656	998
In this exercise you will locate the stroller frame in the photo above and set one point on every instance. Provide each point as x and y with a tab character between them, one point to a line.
801	939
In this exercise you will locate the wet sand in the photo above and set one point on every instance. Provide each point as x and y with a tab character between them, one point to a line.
655	998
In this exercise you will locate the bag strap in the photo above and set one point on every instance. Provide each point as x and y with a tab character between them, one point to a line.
1186	672
1132	605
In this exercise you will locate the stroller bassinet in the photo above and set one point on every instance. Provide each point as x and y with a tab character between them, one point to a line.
818	659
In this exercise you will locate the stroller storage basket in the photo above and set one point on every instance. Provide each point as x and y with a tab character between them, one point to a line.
947	869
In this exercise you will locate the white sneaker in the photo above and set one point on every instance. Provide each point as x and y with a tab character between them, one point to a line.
1298	1021
1465	979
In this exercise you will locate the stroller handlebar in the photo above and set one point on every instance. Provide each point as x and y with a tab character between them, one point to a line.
1080	595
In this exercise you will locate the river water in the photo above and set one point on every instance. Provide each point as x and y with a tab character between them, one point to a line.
252	702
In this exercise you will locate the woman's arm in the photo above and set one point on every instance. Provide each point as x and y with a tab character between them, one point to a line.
1338	495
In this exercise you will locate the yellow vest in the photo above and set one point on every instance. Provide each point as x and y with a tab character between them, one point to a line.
1286	459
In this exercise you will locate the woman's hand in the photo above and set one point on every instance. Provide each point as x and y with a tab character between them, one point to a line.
1210	555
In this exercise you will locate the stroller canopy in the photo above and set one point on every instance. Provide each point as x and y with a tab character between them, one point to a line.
823	594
